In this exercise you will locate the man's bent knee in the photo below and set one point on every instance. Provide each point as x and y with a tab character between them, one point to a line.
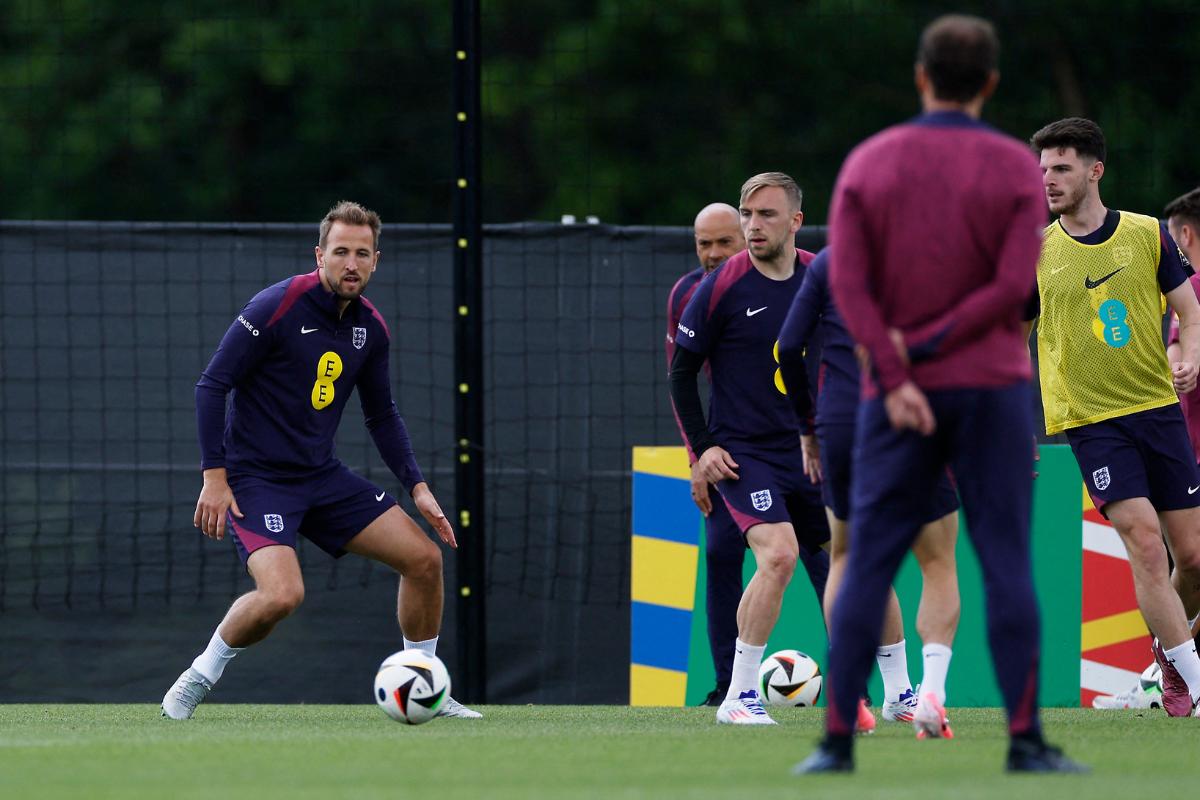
280	601
427	563
1144	545
778	561
1188	561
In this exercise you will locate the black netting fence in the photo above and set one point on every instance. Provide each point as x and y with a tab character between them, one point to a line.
105	328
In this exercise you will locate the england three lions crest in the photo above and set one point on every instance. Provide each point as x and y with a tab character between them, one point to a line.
359	339
274	522
1101	479
761	500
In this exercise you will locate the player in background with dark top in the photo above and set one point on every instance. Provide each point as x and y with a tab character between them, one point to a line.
718	233
827	440
1107	383
749	446
934	242
1183	224
291	360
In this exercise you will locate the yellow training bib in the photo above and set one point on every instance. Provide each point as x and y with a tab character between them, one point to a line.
1100	347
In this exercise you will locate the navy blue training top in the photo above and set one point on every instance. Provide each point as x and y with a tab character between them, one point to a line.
838	383
733	320
290	363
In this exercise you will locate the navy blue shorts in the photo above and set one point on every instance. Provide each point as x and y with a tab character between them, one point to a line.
329	509
1147	454
772	487
837	456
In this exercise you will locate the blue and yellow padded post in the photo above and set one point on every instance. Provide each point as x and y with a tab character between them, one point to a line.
666	539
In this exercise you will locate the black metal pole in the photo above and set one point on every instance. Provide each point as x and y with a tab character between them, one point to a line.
470	680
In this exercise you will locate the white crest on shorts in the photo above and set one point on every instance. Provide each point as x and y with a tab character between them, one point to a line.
360	338
1101	479
274	522
761	500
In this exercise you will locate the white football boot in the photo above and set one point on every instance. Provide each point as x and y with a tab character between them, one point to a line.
453	708
181	699
745	709
900	709
1146	693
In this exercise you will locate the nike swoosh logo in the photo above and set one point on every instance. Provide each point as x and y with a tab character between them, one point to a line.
379	496
307	330
1091	284
1057	270
750	313
885	655
1193	490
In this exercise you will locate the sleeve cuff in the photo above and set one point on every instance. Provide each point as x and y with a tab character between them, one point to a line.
892	374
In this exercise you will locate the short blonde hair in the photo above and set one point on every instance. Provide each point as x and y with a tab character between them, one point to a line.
783	181
350	214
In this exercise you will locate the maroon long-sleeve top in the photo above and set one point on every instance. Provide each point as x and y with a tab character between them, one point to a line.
935	230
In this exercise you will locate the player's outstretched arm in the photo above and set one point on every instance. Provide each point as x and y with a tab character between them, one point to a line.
215	501
427	504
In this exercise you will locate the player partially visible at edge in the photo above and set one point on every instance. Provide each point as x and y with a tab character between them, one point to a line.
827	439
290	360
718	235
1183	223
934	242
1107	383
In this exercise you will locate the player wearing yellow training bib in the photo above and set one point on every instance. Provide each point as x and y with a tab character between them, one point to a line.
1106	381
1100	351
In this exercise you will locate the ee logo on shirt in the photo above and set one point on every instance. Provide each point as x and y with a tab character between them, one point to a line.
329	369
779	384
1114	330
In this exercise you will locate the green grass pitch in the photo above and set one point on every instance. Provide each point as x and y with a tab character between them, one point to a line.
305	751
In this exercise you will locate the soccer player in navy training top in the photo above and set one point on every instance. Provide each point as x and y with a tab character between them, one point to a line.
827	442
290	361
934	236
749	447
718	236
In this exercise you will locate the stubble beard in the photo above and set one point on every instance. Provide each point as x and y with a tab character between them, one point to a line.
773	254
1075	202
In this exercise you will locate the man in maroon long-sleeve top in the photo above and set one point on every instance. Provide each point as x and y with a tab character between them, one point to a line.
935	233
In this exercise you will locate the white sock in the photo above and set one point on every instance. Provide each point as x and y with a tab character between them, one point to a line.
936	658
893	666
428	645
747	658
1185	660
211	663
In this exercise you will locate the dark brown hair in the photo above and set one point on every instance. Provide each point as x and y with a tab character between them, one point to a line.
1186	207
958	53
1082	134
